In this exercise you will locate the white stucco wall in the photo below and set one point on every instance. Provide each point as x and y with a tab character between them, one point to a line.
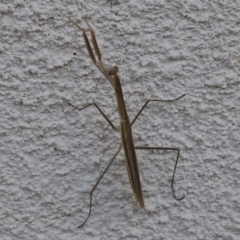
51	155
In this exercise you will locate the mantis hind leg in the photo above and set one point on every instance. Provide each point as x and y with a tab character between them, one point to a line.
175	167
96	184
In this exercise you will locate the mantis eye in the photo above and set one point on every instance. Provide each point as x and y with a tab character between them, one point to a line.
113	70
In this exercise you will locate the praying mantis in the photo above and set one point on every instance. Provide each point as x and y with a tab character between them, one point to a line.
127	143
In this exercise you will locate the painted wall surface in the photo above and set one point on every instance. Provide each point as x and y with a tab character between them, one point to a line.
51	154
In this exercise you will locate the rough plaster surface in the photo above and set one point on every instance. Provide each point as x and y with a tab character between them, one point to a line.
51	155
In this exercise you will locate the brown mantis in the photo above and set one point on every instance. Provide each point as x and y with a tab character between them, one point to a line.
125	130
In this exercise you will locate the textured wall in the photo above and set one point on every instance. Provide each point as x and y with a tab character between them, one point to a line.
51	155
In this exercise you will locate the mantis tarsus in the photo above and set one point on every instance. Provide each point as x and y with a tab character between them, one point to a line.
125	130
